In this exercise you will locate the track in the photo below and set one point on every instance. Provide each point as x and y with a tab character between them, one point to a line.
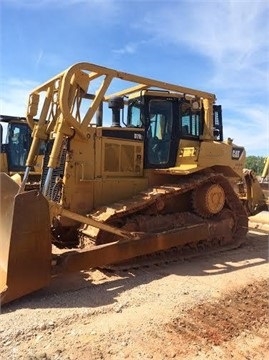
181	254
160	201
164	211
150	213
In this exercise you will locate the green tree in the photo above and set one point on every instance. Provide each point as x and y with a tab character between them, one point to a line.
255	163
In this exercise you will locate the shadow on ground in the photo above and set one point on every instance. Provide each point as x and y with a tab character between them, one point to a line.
85	290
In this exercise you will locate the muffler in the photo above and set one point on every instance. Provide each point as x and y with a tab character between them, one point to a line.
25	244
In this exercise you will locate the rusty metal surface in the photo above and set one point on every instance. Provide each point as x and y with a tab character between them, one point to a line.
8	191
148	243
25	242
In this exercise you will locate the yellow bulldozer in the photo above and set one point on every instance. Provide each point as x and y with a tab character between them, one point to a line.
158	175
15	142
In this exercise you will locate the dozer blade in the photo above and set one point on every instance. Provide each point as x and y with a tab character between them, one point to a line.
25	246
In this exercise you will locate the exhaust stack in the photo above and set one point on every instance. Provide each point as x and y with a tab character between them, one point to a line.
116	104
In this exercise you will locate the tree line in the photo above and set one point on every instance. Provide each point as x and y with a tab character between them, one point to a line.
255	163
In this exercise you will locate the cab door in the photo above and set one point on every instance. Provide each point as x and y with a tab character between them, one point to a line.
161	142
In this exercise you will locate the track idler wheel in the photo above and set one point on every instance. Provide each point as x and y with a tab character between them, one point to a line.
208	199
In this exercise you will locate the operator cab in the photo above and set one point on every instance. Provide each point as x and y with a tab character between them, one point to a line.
166	118
15	141
18	145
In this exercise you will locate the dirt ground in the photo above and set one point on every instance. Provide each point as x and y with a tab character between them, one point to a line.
210	307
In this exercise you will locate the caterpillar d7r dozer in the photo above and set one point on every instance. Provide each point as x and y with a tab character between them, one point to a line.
159	176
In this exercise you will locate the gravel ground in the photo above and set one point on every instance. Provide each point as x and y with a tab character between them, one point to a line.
211	307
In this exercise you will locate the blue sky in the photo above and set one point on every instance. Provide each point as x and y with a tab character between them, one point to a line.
217	46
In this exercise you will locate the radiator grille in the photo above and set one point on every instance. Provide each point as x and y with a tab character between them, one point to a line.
119	158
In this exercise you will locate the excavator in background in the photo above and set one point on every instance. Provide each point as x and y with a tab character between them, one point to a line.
161	176
15	142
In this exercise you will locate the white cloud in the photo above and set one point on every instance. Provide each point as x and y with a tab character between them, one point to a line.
39	58
127	49
247	125
14	96
255	144
229	38
233	37
232	34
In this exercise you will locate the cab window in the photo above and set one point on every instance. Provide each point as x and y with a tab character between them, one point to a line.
134	114
190	121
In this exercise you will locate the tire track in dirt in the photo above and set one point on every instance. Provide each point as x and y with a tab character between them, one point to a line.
218	322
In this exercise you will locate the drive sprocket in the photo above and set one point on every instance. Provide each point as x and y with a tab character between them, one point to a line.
208	199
